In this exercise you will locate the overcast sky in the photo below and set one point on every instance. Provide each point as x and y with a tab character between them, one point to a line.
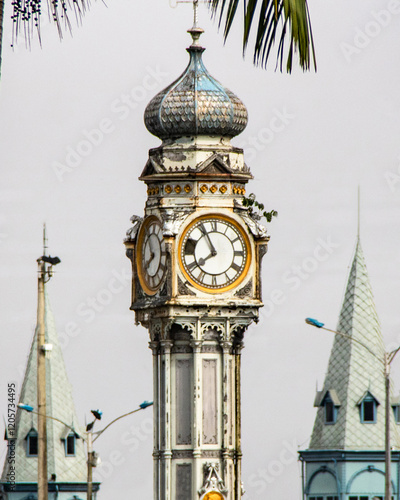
338	129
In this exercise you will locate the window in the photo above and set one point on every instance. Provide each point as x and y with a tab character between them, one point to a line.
367	498
70	445
368	409
32	444
330	403
396	411
330	411
324	498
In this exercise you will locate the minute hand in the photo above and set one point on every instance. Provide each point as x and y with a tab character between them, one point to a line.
212	248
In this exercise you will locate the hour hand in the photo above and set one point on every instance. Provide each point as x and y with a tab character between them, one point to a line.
147	263
202	261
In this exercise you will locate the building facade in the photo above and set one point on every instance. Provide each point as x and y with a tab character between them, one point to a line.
66	457
196	257
346	456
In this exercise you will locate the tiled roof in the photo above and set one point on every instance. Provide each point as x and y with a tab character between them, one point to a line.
60	405
353	370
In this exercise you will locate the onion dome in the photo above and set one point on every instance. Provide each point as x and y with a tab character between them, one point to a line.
195	103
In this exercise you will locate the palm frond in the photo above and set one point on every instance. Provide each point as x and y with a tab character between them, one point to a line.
1	26
27	14
279	22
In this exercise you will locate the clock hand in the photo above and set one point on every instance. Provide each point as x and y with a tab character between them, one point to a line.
146	264
202	261
205	233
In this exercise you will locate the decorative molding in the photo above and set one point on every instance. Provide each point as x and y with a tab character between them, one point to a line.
212	479
210	348
246	291
172	220
219	326
182	453
164	290
153	191
139	291
132	231
252	222
262	250
238	190
130	254
187	325
182	349
183	289
211	454
237	327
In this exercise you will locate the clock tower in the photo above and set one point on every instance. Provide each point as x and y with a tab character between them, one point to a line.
196	265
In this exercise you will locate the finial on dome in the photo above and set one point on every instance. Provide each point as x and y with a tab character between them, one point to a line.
195	31
195	103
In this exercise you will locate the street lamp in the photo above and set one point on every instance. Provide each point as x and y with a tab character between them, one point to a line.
45	272
92	458
387	360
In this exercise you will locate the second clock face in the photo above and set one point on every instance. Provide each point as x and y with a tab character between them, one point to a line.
152	255
214	253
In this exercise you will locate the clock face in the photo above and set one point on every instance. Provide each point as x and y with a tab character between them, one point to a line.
214	253
151	255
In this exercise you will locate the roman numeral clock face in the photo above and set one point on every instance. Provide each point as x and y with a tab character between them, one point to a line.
214	253
151	255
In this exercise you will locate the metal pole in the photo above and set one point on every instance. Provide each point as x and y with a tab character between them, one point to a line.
238	445
89	465
41	388
388	485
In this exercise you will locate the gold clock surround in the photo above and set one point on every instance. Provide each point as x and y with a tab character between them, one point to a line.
244	238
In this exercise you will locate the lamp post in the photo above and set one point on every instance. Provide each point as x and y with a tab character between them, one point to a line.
45	272
92	458
387	360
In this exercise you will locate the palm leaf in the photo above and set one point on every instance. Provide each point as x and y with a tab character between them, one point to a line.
279	21
1	26
27	14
